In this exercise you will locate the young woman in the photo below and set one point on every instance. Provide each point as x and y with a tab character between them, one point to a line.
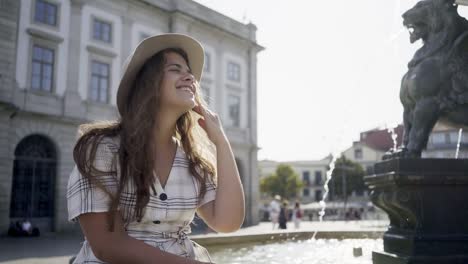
139	181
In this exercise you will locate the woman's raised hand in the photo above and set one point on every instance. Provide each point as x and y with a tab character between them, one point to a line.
211	123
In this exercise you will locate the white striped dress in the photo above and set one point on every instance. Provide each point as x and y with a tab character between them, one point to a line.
167	217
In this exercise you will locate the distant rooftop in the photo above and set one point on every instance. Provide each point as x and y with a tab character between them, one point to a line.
381	139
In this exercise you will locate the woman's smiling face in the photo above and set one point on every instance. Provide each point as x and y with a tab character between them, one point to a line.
178	87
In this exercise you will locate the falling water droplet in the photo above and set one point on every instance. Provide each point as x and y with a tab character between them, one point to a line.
328	176
460	132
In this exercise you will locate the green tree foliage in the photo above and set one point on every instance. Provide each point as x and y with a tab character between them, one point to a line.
284	182
353	172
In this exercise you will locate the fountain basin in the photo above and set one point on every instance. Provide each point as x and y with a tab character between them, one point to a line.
292	247
232	240
310	251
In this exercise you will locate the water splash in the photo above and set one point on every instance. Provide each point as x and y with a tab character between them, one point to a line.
399	29
328	177
460	132
394	136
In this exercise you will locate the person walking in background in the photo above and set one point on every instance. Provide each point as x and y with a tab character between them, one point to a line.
297	215
283	216
274	210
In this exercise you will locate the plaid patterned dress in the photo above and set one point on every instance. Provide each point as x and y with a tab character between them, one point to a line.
167	217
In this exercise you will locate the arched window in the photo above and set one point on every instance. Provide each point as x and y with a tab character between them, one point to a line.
34	172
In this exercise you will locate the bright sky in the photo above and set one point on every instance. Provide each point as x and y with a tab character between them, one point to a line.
330	70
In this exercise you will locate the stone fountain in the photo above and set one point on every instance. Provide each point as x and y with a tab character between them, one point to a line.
427	199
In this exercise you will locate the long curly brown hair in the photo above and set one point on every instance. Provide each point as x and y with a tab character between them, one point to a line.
135	129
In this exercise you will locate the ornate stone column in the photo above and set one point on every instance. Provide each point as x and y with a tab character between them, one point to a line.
73	105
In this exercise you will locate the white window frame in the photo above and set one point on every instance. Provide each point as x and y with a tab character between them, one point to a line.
49	45
206	96
230	121
356	151
315	195
91	47
237	78
211	74
97	75
94	19
316	173
207	66
438	138
93	57
57	4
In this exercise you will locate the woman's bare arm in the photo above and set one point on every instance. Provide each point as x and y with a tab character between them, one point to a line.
226	213
118	247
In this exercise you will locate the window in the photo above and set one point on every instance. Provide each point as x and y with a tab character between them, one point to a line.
318	195
306	177
454	137
207	65
206	94
45	12
438	138
42	71
233	72
447	137
318	177
234	110
102	31
305	192
99	81
358	153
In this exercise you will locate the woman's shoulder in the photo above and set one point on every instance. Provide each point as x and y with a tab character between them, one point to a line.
109	143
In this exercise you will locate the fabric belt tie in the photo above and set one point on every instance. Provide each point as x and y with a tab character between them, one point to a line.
181	237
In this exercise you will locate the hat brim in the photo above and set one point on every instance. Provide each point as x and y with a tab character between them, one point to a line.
149	47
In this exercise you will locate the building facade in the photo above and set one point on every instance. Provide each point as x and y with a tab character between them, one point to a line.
444	142
372	145
60	67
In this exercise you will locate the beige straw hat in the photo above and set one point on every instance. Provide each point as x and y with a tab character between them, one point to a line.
149	47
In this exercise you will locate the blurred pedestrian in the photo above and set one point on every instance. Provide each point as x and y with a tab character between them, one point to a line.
274	210
283	216
297	215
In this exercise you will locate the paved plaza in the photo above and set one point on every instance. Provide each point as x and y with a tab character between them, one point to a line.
57	248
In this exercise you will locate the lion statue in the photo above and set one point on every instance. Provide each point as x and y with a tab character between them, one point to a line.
435	88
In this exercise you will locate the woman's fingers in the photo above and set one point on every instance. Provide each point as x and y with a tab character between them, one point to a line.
202	123
198	109
206	113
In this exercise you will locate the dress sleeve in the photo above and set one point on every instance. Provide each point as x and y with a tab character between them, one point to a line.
210	194
84	196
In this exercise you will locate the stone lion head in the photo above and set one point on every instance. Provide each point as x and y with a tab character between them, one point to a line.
427	17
